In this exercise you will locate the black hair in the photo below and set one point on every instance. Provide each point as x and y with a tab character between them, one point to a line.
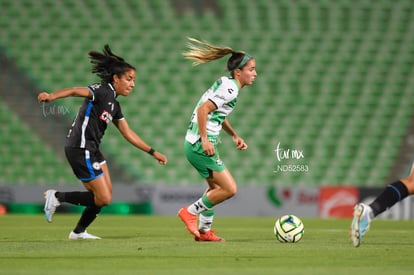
234	61
106	64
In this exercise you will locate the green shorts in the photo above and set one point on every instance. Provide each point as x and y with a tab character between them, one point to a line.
204	164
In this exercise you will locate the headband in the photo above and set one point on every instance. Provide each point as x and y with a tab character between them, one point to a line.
246	58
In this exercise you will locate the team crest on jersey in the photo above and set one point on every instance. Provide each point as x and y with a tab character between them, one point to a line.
106	116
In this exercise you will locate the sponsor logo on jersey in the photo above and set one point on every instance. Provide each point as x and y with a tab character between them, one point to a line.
219	97
106	116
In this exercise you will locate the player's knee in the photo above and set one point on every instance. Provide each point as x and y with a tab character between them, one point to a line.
231	191
103	200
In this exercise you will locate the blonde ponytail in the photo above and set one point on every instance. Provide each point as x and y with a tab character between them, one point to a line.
202	52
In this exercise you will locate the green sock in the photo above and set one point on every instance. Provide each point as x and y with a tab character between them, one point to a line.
206	201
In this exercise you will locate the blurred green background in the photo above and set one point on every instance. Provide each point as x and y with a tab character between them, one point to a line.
334	81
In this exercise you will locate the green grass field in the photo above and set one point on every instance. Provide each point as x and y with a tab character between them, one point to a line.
161	245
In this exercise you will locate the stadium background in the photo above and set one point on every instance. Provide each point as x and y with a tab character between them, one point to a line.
334	82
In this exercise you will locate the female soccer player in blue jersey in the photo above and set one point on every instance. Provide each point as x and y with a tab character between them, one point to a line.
99	108
208	118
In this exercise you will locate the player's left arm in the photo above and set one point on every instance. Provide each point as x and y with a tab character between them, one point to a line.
137	141
66	92
240	144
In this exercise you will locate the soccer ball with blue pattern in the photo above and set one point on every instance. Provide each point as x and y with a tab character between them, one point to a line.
289	229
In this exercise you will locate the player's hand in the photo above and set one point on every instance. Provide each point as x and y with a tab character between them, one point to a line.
162	159
240	144
208	148
44	97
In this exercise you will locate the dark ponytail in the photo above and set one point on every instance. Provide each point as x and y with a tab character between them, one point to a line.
106	64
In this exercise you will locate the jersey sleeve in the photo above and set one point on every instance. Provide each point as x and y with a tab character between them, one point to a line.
117	112
224	94
92	92
93	89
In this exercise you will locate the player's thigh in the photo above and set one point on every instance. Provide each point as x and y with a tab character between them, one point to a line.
107	176
101	190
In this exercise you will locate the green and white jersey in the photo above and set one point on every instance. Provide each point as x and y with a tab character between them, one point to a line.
223	94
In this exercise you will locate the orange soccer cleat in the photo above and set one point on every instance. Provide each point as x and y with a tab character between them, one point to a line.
190	221
209	236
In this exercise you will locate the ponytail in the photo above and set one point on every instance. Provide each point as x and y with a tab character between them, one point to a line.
203	52
107	64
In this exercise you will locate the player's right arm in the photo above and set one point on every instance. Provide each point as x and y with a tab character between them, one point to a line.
77	91
202	113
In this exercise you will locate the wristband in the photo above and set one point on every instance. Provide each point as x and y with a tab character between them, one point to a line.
151	151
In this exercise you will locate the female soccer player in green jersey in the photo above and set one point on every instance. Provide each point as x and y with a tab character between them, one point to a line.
201	140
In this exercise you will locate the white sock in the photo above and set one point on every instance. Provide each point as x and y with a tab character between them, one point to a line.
197	207
370	213
205	222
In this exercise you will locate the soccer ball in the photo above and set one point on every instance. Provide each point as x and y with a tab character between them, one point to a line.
289	229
